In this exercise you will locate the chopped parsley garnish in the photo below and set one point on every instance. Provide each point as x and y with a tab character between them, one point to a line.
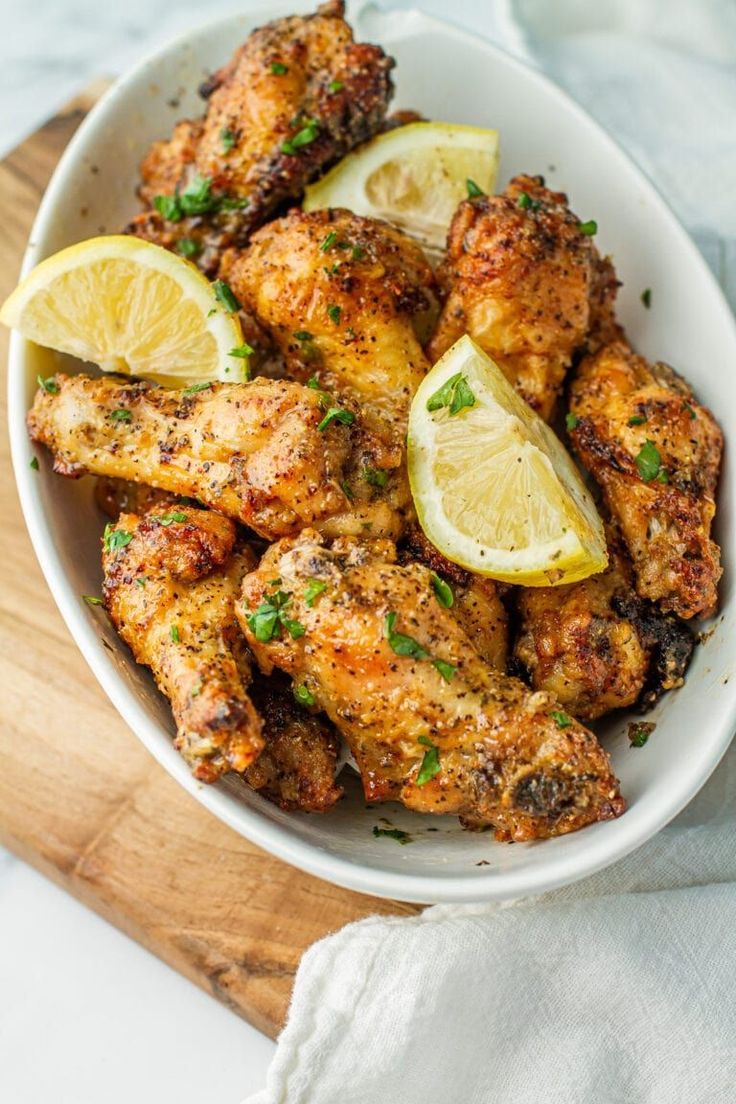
115	539
347	490
168	519
690	411
295	629
225	295
357	252
141	580
375	477
329	241
639	732
561	718
646	297
637	419
334	312
231	203
303	137
588	228
196	690
649	463
473	190
174	633
188	247
278	68
335	414
242	351
335	86
399	643
526	202
571	420
33	463
121	415
49	385
168	206
442	590
304	335
197	197
195	387
312	591
266	622
392	833
430	765
227	138
91	600
304	695
455	394
445	669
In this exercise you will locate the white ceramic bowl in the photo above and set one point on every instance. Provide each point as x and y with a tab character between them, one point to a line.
451	76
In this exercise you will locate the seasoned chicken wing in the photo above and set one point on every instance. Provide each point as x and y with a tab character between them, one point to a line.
521	277
429	723
596	646
170	582
656	453
346	299
273	455
295	97
121	496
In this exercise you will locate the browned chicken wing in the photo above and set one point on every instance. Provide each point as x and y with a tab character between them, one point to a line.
271	454
295	97
121	496
170	582
348	300
429	723
656	453
596	646
521	277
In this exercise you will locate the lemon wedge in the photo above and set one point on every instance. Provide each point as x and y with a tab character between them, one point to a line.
133	307
413	176
494	488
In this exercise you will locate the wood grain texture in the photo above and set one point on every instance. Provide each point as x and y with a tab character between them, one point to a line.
82	800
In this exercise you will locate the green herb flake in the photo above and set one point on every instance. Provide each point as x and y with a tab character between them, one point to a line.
242	351
328	242
648	461
430	765
141	580
305	335
691	411
168	519
295	629
279	69
588	228
561	718
91	600
399	643
196	690
335	414
571	421
442	590
303	137
49	385
639	732
265	622
227	138
646	297
347	490
231	203
392	833
33	463
357	252
188	247
473	190
445	669
335	86
303	695
174	634
196	387
197	198
637	419
115	539
455	394
225	295
169	207
312	591
526	202
375	477
333	313
121	415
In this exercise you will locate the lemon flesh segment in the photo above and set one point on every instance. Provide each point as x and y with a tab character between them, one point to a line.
129	306
413	176
494	488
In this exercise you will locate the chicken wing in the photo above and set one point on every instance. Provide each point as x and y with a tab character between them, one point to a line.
170	582
596	646
428	721
270	454
520	277
656	453
347	299
295	97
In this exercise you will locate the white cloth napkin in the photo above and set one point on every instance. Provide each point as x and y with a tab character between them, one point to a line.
621	989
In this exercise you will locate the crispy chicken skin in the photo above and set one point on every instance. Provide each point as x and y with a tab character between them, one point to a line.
170	592
300	79
296	769
476	602
662	498
504	759
252	451
598	647
347	299
120	496
520	280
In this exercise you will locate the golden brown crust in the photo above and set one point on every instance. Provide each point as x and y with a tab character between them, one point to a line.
121	496
664	515
170	582
504	759
519	280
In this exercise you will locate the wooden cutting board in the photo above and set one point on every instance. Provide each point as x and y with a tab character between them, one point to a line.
80	797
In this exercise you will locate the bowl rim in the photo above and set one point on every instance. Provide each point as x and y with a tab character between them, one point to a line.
632	829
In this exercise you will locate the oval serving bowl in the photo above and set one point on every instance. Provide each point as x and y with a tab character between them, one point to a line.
452	76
